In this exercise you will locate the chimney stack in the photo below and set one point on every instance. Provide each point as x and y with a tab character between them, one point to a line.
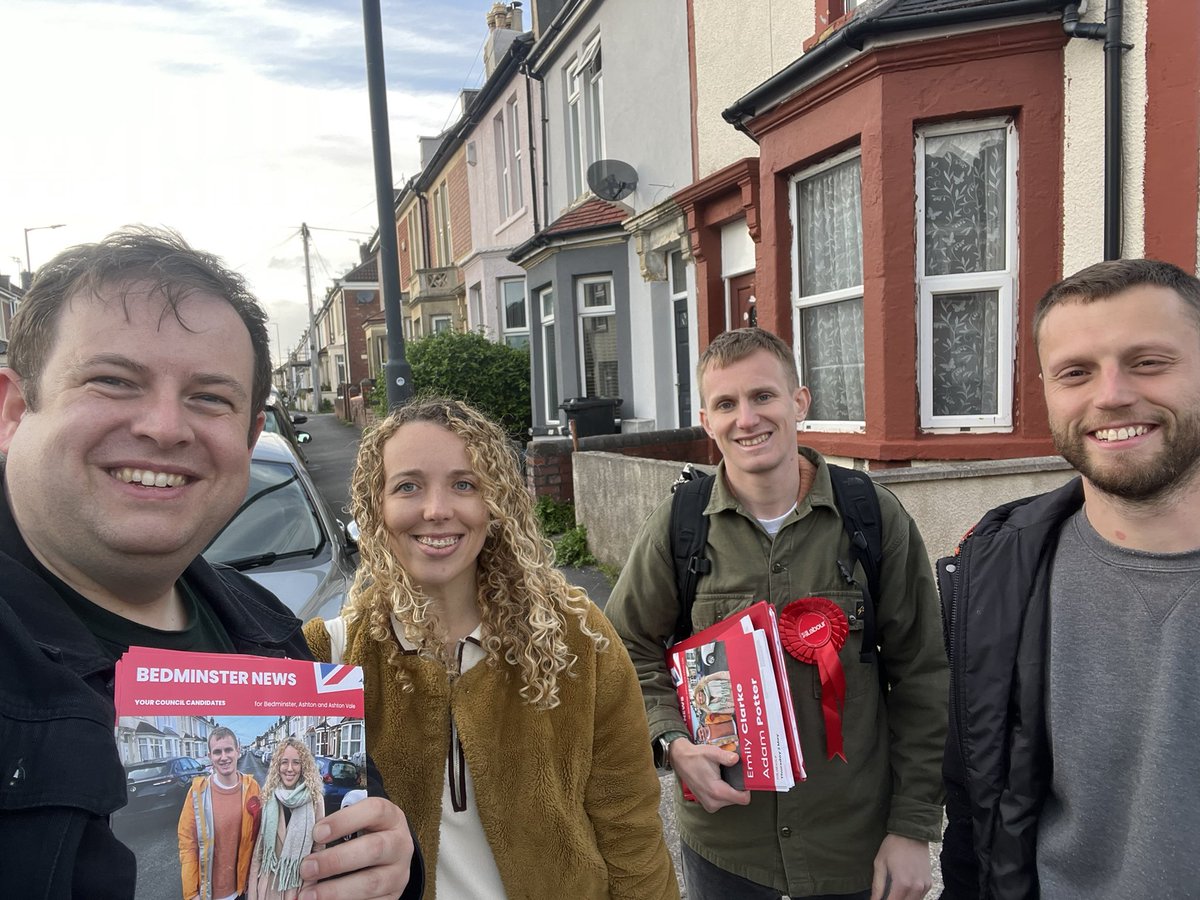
504	24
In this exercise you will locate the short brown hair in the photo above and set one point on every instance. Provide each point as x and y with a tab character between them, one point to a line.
159	256
222	732
729	347
1104	280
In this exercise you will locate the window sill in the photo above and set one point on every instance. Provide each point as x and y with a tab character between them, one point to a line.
511	220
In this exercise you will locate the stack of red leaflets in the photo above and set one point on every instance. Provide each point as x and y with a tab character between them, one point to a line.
733	693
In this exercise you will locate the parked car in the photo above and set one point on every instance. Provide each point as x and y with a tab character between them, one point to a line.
280	421
159	783
340	776
285	537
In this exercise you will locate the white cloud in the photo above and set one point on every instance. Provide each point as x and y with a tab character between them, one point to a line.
233	123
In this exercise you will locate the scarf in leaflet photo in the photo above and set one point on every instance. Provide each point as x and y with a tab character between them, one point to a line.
297	837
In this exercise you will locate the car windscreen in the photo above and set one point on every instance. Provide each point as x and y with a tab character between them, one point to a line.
276	519
271	422
152	771
340	771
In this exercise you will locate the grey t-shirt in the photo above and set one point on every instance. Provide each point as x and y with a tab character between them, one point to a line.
1123	816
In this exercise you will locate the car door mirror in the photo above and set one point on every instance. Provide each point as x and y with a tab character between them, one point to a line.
352	533
303	437
298	419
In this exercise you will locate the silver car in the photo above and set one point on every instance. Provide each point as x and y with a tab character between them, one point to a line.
285	537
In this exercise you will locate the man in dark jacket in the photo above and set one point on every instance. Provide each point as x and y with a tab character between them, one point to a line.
139	371
1073	617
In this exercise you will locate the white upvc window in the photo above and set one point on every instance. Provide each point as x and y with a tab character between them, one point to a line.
516	201
438	324
827	292
514	312
966	220
549	354
508	159
598	359
585	115
575	151
416	243
441	214
503	172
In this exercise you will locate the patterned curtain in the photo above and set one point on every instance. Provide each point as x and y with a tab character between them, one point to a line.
830	205
964	202
965	221
831	336
965	357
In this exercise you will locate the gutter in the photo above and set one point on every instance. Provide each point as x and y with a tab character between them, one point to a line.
853	36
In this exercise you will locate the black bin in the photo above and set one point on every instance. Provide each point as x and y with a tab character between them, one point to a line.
592	415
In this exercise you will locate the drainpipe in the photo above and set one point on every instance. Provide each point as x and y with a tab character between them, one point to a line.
529	127
1110	33
541	80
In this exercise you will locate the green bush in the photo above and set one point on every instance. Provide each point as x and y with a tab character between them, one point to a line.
492	377
555	516
326	406
572	548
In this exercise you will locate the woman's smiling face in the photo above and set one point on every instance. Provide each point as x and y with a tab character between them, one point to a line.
290	767
433	508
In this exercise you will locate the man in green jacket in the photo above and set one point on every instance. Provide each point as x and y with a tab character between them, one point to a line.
858	827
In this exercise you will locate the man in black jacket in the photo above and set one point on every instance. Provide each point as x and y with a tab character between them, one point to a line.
139	371
1073	617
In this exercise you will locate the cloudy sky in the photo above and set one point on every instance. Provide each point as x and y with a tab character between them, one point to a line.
232	121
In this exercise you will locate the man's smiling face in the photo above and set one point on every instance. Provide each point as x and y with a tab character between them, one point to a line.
223	754
1122	383
139	446
751	409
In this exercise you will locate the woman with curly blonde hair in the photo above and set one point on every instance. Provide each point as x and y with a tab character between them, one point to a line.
293	802
502	711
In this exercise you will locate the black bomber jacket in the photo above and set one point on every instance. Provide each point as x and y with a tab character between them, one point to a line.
997	765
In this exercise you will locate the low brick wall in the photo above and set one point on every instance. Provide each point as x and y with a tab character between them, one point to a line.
549	467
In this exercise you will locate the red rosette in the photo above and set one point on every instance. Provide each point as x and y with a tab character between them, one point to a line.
254	808
813	630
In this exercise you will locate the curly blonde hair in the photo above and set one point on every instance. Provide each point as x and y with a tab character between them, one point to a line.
308	769
526	605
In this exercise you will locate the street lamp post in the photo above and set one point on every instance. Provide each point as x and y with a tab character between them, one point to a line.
28	264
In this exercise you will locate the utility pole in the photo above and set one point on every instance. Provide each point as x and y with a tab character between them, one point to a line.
313	374
397	370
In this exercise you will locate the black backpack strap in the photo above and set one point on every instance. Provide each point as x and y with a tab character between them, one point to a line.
689	536
854	493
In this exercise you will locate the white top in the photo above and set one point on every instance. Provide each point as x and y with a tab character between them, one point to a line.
772	526
466	867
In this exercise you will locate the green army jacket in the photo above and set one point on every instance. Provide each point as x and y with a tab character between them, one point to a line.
822	836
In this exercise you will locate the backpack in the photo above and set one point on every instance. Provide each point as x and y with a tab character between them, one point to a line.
854	494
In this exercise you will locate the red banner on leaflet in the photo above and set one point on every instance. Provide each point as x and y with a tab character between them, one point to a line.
170	682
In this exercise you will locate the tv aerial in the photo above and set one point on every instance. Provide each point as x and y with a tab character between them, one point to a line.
611	179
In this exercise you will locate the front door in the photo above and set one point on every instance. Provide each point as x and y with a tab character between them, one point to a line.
741	301
683	369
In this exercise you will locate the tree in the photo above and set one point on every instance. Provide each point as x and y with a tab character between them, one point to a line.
492	377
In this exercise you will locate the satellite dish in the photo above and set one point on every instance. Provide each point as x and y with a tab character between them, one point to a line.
611	179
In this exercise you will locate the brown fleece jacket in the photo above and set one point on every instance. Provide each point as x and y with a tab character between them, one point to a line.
568	797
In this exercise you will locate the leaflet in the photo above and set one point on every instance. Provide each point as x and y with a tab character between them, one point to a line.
733	693
202	737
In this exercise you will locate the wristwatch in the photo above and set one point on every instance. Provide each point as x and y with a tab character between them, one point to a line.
662	748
